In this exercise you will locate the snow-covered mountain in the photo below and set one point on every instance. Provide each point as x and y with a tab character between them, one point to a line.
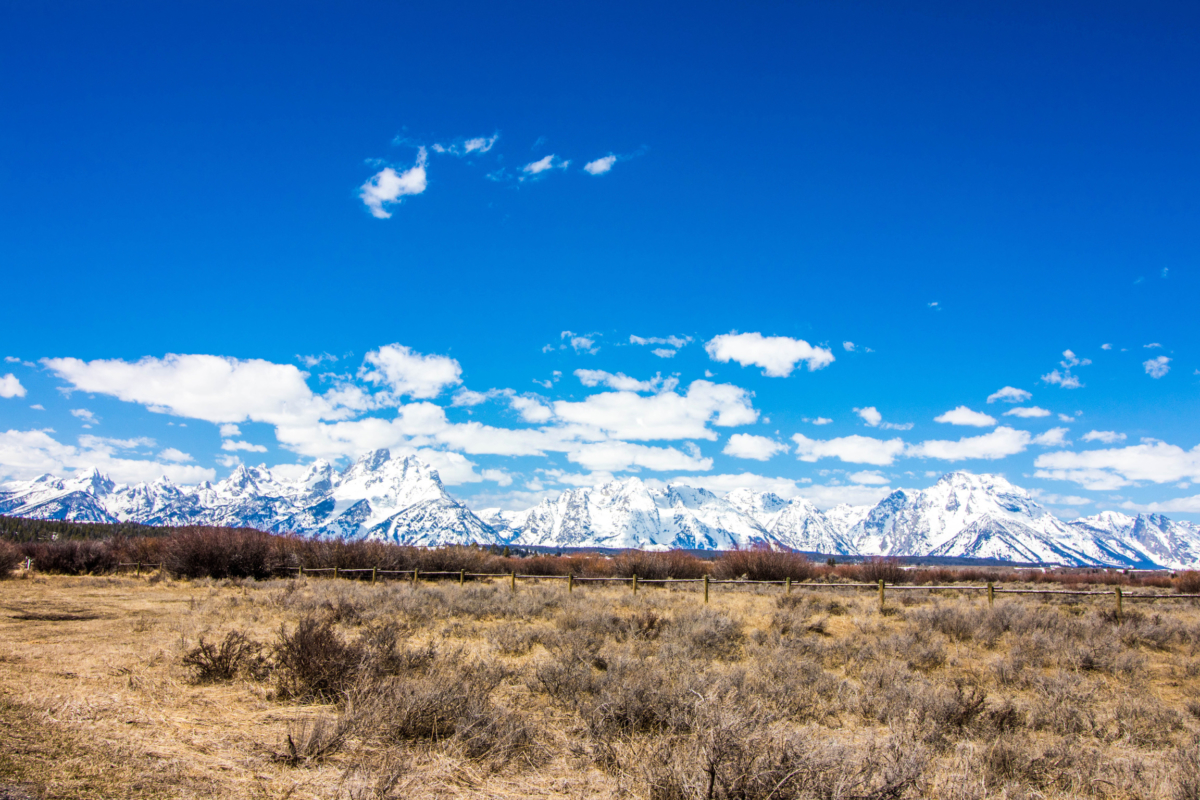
378	497
402	500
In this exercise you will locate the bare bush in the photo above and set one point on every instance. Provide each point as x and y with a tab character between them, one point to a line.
1188	582
214	663
888	570
315	662
10	557
762	564
220	553
311	740
71	557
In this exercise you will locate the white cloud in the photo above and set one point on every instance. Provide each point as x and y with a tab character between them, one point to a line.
1152	345
406	372
869	477
1179	505
664	352
531	409
622	382
826	497
965	416
228	461
667	415
1157	367
314	360
38	407
233	446
600	165
1059	499
848	347
1113	468
1072	360
673	341
11	387
851	449
580	343
1002	442
723	484
85	415
1029	412
1055	437
759	448
617	456
934	305
212	388
1107	437
543	164
777	355
499	476
1009	394
1066	418
172	454
465	147
229	430
387	187
818	420
27	454
1106	346
1065	380
873	419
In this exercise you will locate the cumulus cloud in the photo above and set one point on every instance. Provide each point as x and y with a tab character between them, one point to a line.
759	448
1178	505
465	147
172	454
851	449
848	347
387	187
27	454
1066	380
1107	437
531	409
213	388
233	446
1002	442
1027	412
84	415
615	456
777	355
1009	394
673	341
580	343
1112	468
818	420
667	415
873	419
1106	346
1157	367
600	165
543	164
11	387
229	430
664	352
1151	346
406	372
1055	437
869	477
622	382
965	416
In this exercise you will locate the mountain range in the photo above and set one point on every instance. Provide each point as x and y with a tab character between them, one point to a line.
402	500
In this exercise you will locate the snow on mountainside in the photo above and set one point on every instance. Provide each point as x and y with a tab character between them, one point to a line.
377	497
402	500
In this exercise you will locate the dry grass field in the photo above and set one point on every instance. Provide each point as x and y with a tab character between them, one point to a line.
318	688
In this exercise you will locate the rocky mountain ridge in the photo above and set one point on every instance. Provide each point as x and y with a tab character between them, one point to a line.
402	500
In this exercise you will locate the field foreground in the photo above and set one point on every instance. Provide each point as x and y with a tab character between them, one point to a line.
152	687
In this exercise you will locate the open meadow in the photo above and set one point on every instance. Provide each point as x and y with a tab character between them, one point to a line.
150	686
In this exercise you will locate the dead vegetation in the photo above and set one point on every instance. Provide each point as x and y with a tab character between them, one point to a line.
340	689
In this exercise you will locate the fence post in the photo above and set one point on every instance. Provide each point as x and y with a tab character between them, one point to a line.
416	574
462	576
991	594
335	572
514	580
881	594
301	570
1118	593
139	569
635	583
373	575
706	588
788	584
570	581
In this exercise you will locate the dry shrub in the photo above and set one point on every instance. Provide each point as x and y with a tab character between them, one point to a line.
215	663
888	570
313	739
10	557
658	565
429	705
220	553
71	556
498	738
1188	582
708	634
314	662
1187	770
762	564
959	623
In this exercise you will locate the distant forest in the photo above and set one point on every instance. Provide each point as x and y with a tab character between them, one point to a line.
16	529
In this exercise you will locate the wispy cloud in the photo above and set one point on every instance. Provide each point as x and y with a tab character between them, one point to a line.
387	187
1009	394
871	416
466	147
600	165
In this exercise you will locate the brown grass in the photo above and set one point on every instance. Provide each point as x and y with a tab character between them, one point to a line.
157	687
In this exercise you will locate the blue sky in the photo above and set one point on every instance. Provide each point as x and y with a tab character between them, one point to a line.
965	195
